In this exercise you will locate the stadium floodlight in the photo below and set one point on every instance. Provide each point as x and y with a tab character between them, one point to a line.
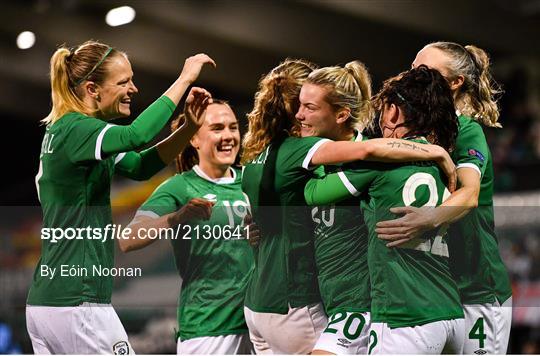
26	39
120	16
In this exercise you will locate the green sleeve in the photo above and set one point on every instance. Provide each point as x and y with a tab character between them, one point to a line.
81	138
139	166
141	131
351	180
358	176
326	190
296	153
471	147
93	139
164	200
319	172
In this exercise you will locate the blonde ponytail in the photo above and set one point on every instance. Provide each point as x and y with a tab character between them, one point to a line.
363	79
477	97
64	98
348	87
71	68
483	99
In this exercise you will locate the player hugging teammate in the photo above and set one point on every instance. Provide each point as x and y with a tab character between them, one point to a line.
362	249
424	290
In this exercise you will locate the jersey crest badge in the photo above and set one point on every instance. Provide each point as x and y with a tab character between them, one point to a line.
121	348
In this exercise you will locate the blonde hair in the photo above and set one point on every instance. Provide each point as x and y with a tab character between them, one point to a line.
478	95
69	69
276	103
349	87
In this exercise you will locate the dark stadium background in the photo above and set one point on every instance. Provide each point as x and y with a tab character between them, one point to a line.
247	38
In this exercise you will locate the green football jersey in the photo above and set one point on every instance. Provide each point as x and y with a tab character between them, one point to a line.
475	260
285	274
341	241
213	259
410	285
73	186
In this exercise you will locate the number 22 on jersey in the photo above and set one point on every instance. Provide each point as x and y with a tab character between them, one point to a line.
437	245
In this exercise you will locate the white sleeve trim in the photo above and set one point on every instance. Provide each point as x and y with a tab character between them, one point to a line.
38	177
347	183
311	152
148	213
119	157
100	141
469	165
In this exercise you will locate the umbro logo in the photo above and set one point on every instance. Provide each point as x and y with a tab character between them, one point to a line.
344	343
211	197
480	352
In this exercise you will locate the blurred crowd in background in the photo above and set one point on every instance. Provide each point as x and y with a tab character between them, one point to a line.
516	147
516	156
147	305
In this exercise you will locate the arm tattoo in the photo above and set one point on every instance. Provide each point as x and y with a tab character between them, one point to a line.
412	146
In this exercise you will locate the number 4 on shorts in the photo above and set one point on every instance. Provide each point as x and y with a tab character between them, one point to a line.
477	332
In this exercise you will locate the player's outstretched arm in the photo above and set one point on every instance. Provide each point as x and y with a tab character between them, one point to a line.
326	190
385	150
190	72
143	165
149	123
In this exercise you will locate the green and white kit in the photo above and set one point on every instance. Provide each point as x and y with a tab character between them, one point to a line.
475	262
341	243
79	156
212	256
285	278
285	273
405	281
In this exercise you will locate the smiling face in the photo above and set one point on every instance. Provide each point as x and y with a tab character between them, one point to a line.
316	116
218	140
117	89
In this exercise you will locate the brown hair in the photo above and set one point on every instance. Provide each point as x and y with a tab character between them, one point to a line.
189	156
69	68
276	103
426	101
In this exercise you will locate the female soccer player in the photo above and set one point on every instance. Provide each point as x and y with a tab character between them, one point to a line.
282	307
335	104
476	264
415	304
90	85
204	206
